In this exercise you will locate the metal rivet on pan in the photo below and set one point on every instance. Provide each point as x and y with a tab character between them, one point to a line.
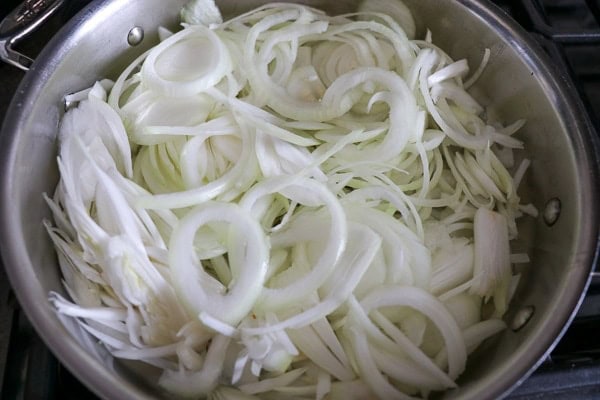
67	104
552	211
135	36
522	317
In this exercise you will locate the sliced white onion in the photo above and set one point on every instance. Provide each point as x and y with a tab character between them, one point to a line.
172	70
198	290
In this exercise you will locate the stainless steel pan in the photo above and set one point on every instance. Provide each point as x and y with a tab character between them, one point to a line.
518	83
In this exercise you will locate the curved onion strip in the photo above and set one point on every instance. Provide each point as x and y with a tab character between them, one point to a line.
399	347
171	80
197	384
195	287
369	371
353	265
281	297
431	307
238	172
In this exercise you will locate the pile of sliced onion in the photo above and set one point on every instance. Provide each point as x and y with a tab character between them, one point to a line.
289	205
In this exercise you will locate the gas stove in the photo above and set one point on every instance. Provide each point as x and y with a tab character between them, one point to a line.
569	31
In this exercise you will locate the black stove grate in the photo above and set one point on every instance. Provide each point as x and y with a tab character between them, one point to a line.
569	31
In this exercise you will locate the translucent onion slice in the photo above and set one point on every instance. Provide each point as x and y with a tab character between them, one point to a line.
425	303
310	192
173	69
196	288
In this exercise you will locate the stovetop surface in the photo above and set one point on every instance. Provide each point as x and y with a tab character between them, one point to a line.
569	30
